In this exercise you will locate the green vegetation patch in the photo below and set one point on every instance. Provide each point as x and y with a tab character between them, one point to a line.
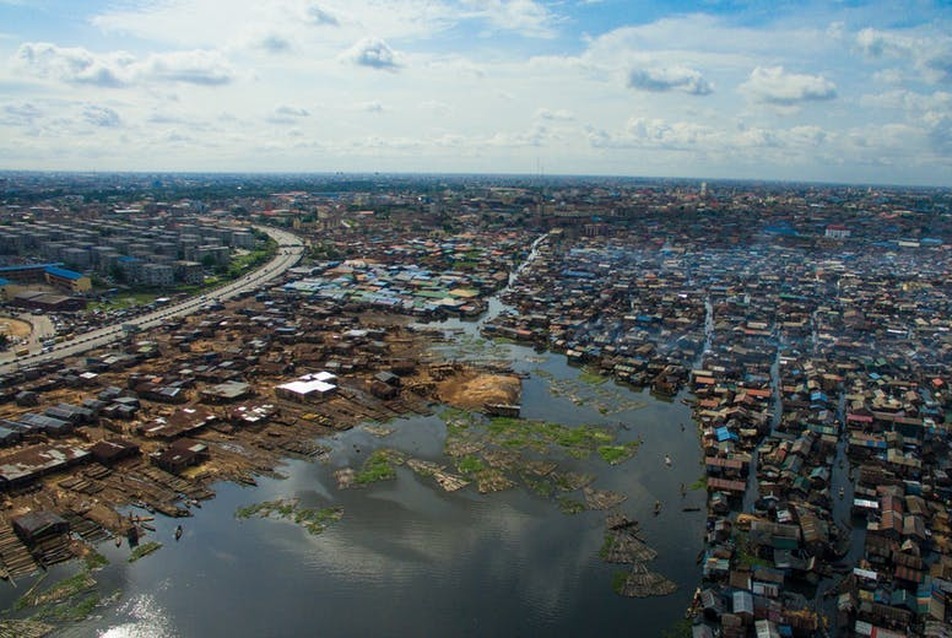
540	486
95	560
570	505
619	580
579	441
591	377
144	550
615	454
700	484
242	263
470	465
378	467
70	600
744	555
607	545
75	611
124	300
61	591
314	521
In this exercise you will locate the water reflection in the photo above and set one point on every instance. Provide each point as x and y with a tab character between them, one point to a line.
147	619
410	559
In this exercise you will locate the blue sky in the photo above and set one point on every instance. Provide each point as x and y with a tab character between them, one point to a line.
846	91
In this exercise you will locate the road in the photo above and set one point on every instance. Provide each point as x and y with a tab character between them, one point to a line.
290	251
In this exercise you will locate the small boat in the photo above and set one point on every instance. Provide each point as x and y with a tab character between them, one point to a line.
657	507
667	460
178	532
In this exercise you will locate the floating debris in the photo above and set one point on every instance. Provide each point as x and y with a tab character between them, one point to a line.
502	459
449	482
571	481
314	521
570	505
491	479
378	431
463	447
144	550
643	583
623	544
602	499
423	468
24	629
590	389
539	468
345	477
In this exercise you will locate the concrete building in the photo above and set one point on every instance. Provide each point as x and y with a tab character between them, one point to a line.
308	389
156	275
188	272
68	280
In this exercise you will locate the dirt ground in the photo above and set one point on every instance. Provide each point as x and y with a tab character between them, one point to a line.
15	327
471	391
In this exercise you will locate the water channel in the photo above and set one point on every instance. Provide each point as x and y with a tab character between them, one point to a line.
410	559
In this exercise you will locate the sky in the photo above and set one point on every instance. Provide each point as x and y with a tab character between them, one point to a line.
847	91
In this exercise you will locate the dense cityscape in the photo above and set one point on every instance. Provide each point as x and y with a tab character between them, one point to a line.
169	335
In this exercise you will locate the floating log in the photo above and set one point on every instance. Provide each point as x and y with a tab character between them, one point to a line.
643	583
502	409
602	499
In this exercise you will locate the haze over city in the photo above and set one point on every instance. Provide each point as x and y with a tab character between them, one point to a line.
853	92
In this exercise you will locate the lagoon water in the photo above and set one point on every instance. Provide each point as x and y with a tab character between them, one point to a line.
408	559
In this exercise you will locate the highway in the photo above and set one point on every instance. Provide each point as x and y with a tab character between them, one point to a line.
290	251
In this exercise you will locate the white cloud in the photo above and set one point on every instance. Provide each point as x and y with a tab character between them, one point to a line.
772	85
319	16
371	107
931	55
77	65
527	17
20	114
876	43
291	111
373	53
660	79
74	64
288	114
101	116
474	76
208	68
558	115
274	43
658	133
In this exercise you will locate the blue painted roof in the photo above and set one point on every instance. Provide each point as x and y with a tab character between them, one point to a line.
64	273
22	267
724	434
